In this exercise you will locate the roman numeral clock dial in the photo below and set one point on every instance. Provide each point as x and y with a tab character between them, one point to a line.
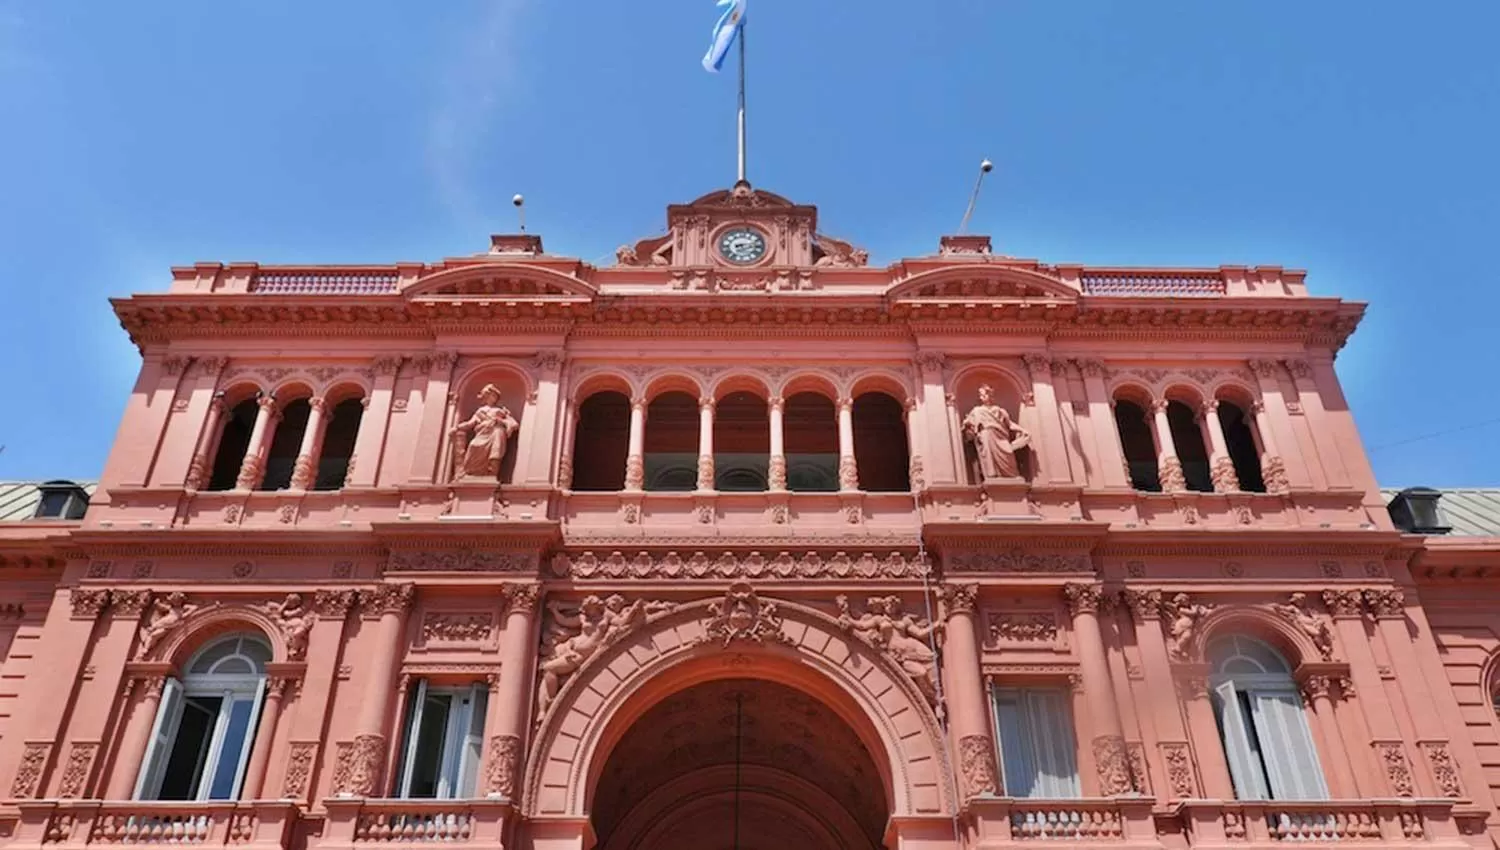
742	245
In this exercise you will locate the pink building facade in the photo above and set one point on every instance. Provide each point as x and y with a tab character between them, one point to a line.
741	542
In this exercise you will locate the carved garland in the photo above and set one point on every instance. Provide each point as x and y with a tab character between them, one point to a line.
784	565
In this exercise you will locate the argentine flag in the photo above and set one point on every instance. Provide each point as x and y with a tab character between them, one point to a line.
725	31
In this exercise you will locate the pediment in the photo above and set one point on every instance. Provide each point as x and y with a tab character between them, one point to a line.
485	280
981	282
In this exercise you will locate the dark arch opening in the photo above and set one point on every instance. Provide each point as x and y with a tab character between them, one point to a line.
1187	437
1243	451
1139	446
234	441
792	744
672	442
881	452
281	460
601	441
338	444
810	430
742	443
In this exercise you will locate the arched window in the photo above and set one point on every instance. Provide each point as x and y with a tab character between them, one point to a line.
881	453
742	443
205	724
1138	444
339	436
286	442
671	442
1261	723
234	441
1187	437
811	430
601	440
1243	450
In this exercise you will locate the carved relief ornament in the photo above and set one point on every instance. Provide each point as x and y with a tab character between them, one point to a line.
1017	561
1022	628
574	635
977	767
1082	598
1299	613
784	565
1185	617
743	616
901	636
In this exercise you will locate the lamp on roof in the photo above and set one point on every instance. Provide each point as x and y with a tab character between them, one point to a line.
1415	510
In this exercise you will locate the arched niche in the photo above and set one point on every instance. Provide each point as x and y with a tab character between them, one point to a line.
203	625
600	702
515	388
1009	394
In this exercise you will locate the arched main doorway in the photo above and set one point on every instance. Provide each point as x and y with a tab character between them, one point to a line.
739	763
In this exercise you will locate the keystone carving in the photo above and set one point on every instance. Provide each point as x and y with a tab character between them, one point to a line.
743	616
906	639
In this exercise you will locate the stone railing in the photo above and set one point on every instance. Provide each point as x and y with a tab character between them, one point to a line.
356	822
1270	823
1078	822
1175	286
323	282
216	824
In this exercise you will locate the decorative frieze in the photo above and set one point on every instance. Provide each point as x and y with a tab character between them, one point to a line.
457	627
729	565
1022	628
463	561
1016	561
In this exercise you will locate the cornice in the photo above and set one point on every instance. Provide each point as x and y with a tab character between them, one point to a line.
1248	542
494	534
215	542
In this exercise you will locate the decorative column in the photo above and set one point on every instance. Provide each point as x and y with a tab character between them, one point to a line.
369	444
136	737
1316	692
361	762
1109	739
1106	433
1175	746
430	433
848	468
705	443
254	464
1277	430
916	444
1221	468
505	728
635	457
1053	444
1389	756
1272	467
265	737
197	474
312	444
968	716
1168	466
776	475
1389	609
944	465
569	437
306	715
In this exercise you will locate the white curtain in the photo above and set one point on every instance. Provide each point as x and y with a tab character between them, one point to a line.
1038	750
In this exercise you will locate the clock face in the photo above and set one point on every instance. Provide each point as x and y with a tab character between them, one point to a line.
742	245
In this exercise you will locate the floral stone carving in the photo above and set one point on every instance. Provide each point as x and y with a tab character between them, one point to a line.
574	636
996	437
80	764
357	766
29	775
1179	769
784	565
1114	765
1444	770
976	766
743	615
481	440
502	766
299	766
1397	767
907	639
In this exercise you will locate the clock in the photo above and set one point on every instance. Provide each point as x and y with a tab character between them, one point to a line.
742	245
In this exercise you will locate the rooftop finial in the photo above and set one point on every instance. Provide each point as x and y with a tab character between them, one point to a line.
520	203
985	167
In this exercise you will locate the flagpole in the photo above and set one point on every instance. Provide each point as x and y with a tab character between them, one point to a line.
744	25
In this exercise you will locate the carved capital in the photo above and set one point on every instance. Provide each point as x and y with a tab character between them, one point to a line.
1386	603
1037	364
1082	598
707	403
390	598
1316	687
442	362
845	405
776	403
267	403
932	361
961	598
88	603
334	604
1343	603
522	598
1144	604
1299	368
1158	405
386	366
1263	368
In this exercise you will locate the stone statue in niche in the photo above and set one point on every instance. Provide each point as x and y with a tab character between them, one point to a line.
909	640
996	437
481	441
575	636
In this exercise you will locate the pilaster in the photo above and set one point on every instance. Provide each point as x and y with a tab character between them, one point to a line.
369	444
1054	441
427	453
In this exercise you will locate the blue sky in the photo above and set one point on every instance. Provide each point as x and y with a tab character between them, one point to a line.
1354	139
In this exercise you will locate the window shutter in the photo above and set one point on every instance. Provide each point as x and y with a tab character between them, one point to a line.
418	699
163	732
468	770
1244	767
249	743
1286	744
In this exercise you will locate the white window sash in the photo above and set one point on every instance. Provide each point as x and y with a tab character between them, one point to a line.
1287	745
163	734
472	742
413	723
1244	767
247	745
452	751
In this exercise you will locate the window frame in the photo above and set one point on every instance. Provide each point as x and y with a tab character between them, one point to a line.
1059	752
463	740
1248	707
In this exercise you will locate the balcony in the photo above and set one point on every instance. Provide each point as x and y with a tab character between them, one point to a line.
77	823
1251	824
373	823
